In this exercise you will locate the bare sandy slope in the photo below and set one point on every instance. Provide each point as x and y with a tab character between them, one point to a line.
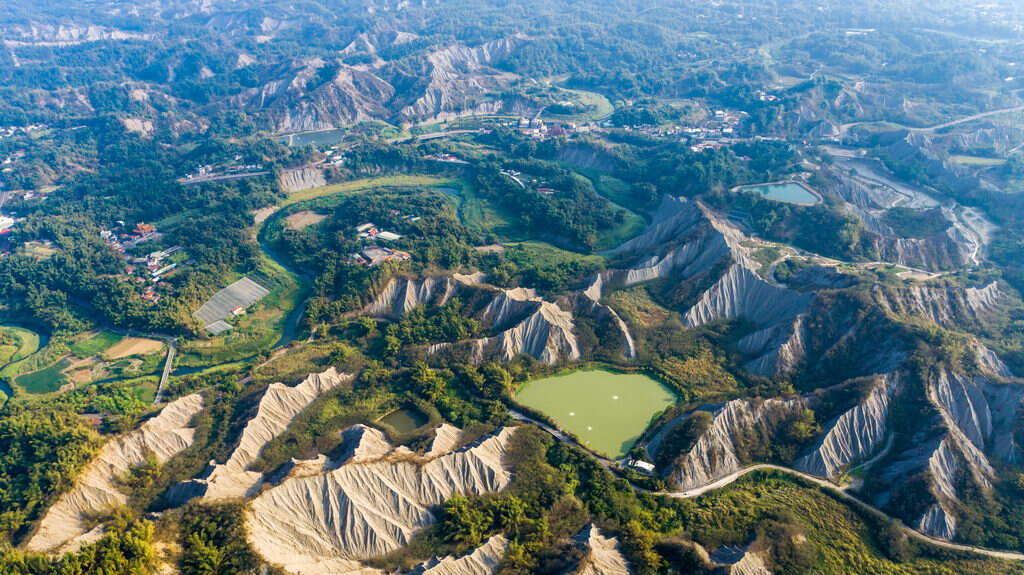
326	523
67	524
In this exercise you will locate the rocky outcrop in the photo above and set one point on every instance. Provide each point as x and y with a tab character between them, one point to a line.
459	75
299	179
718	453
688	242
976	410
67	524
326	523
546	332
855	435
300	99
603	554
949	307
741	293
939	252
522	322
483	560
402	295
751	564
278	407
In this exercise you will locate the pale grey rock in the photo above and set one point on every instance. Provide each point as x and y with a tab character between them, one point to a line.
278	407
855	435
484	560
402	295
327	523
299	179
949	307
603	554
937	522
714	455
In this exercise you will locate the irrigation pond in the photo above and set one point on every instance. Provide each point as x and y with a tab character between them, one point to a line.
606	410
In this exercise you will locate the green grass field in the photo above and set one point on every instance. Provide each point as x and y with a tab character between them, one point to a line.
95	345
46	380
484	217
24	343
395	181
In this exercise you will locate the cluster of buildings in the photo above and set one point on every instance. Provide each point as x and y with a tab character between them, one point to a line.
716	132
540	130
369	231
126	240
375	255
446	158
150	269
210	173
6	223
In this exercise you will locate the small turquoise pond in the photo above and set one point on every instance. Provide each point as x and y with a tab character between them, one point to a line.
789	192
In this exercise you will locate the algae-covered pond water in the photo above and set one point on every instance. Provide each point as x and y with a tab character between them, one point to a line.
789	192
405	420
607	411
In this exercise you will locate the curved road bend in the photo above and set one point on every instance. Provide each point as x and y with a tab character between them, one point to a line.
823	483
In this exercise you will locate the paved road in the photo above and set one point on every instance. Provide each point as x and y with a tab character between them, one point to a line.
168	367
846	127
823	483
220	178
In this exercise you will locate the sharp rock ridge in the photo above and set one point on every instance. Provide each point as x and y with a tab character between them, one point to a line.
855	435
603	554
325	524
484	560
715	454
66	525
277	409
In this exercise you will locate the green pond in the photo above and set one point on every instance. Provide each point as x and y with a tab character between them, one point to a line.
789	192
607	411
405	420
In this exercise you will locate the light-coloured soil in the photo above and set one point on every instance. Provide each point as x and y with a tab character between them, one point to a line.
134	346
304	219
490	249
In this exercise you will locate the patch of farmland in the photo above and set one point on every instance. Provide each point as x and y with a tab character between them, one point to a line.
241	294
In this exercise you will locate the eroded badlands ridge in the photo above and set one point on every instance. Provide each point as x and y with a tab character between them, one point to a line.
325	523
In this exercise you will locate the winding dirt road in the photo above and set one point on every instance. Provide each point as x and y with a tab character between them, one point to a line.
833	488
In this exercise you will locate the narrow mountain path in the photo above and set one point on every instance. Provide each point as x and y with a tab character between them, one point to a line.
833	488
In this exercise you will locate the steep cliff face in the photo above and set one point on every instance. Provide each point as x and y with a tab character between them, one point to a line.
521	322
603	554
976	407
318	95
277	409
460	75
718	452
943	251
855	435
304	178
326	523
402	295
949	307
688	242
67	524
545	333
